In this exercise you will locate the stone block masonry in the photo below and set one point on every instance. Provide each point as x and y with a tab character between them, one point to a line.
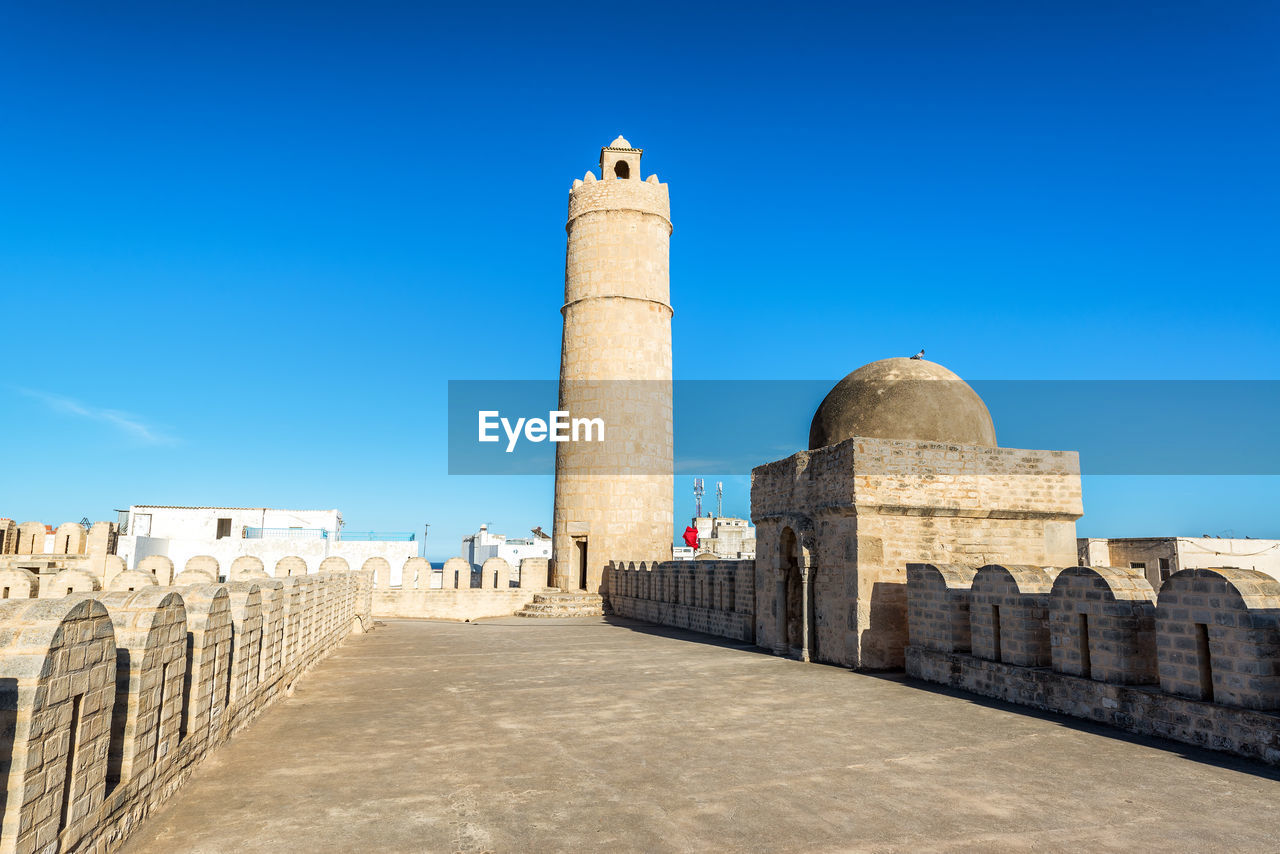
835	527
109	699
449	593
1200	663
715	597
615	364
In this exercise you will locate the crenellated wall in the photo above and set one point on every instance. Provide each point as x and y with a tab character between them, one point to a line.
455	597
716	597
1199	663
111	697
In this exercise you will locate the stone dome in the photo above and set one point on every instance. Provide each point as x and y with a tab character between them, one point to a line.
902	399
620	142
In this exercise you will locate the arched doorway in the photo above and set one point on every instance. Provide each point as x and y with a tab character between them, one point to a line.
797	635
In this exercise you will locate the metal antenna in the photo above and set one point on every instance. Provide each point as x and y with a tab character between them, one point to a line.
698	492
719	499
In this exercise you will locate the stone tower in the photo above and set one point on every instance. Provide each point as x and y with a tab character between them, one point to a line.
614	501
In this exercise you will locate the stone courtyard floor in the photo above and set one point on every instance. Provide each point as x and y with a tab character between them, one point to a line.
531	735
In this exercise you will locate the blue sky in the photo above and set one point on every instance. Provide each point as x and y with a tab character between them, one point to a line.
243	247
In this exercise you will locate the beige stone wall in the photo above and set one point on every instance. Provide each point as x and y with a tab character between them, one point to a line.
419	598
615	364
96	748
1213	635
859	511
715	597
8	536
938	606
1218	636
1102	625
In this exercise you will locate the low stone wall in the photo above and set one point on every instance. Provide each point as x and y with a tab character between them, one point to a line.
109	699
460	605
716	597
419	596
1200	663
1133	708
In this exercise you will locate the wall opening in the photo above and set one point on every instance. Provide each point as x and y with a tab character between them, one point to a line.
231	670
115	746
6	593
621	169
224	529
1203	663
213	686
1082	632
164	683
73	747
995	633
184	723
580	545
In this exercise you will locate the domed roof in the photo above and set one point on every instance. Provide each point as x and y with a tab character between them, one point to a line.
620	142
902	399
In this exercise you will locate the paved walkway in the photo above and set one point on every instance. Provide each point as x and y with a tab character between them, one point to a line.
522	735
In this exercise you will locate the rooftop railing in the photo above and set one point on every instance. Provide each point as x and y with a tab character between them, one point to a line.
285	533
378	536
325	533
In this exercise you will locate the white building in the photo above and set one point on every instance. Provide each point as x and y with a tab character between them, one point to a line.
1160	557
725	537
482	545
181	533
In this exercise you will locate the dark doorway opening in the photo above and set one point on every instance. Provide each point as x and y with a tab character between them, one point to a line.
1086	664
581	546
621	169
995	633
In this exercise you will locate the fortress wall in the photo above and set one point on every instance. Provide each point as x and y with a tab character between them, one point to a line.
109	712
1199	663
715	597
938	606
454	592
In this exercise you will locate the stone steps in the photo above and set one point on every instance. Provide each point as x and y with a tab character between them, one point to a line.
570	604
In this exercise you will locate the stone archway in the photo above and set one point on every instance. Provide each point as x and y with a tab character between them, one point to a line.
795	605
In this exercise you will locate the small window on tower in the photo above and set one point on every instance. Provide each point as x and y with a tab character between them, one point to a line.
621	169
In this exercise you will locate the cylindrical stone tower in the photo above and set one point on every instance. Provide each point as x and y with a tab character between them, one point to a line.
614	501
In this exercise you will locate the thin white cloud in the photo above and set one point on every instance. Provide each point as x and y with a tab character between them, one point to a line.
130	425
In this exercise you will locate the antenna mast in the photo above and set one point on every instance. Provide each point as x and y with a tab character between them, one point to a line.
719	499
698	492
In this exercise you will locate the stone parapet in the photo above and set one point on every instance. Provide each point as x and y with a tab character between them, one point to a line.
715	597
1132	708
454	592
1198	663
111	698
